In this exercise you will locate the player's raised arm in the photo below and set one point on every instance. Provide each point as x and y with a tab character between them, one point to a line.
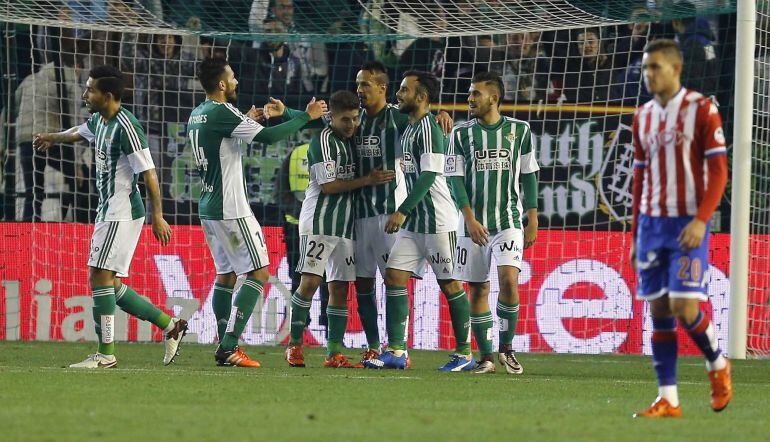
314	110
275	108
44	141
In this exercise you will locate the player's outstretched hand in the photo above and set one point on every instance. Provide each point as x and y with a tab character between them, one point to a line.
530	233
692	235
395	222
316	109
479	234
256	114
379	176
445	121
42	142
161	230
274	108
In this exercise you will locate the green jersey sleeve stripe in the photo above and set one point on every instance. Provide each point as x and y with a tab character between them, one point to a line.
326	142
130	130
234	110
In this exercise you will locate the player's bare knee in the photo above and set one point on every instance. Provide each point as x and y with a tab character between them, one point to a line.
450	286
100	277
661	308
227	279
395	278
364	285
308	285
338	293
685	310
261	275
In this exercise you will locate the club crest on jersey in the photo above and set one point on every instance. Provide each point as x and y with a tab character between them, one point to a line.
511	137
498	159
330	169
615	177
407	164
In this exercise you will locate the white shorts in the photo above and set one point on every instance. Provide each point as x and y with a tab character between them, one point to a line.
411	250
472	261
113	244
325	253
237	245
373	246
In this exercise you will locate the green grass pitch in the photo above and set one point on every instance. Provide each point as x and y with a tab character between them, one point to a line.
559	397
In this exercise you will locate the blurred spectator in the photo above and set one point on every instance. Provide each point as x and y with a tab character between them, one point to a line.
464	57
345	57
588	75
525	69
163	97
424	54
270	70
49	100
696	40
314	64
629	49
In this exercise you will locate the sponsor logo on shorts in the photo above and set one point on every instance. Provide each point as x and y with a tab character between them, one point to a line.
438	259
510	246
350	260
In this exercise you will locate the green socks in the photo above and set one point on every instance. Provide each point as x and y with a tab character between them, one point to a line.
300	308
396	316
104	318
130	302
509	316
338	322
482	323
247	297
367	311
221	303
459	311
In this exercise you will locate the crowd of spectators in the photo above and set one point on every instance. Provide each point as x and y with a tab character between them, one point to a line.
582	66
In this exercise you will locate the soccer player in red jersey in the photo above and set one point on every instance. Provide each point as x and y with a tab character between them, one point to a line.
680	172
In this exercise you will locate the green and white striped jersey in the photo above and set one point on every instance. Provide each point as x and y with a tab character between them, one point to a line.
491	159
121	154
423	147
378	144
330	158
216	131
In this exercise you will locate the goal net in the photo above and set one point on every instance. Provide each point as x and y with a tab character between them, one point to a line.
571	69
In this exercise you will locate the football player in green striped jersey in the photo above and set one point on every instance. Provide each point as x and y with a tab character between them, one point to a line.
326	228
121	155
429	217
378	145
217	131
490	160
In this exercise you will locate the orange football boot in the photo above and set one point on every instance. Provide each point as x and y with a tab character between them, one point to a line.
235	358
367	355
294	356
337	360
721	387
660	408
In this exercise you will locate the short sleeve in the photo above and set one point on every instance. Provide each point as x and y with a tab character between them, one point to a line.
87	130
322	156
528	156
133	143
454	164
232	123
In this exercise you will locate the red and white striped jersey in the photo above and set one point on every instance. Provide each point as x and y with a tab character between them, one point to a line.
672	145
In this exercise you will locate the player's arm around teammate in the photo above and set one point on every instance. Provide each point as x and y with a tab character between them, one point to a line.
326	228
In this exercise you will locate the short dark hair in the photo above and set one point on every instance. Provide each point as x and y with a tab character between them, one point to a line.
428	83
342	101
108	79
209	73
378	68
492	78
665	45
